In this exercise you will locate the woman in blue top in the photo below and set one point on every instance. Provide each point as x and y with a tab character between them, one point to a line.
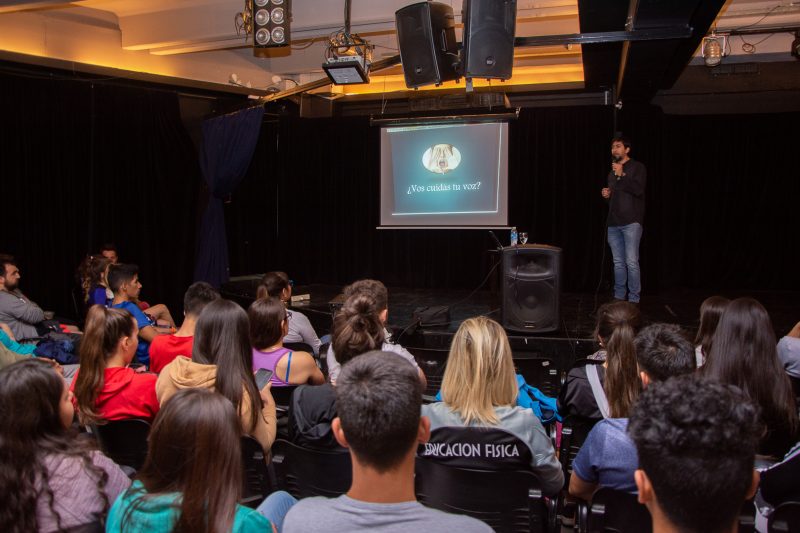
192	477
92	273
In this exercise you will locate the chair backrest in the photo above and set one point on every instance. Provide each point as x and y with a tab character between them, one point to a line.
541	373
432	362
614	510
299	347
785	518
479	448
305	472
505	500
124	441
574	431
282	396
257	480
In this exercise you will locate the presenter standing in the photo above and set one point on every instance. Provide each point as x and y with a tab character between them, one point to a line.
625	196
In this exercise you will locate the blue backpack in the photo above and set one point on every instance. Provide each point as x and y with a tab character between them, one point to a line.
543	406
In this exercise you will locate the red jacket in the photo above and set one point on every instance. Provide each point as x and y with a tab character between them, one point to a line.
125	394
165	348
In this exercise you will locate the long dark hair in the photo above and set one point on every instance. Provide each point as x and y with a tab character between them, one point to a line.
221	338
617	325
103	330
193	449
356	328
30	430
710	312
90	273
744	353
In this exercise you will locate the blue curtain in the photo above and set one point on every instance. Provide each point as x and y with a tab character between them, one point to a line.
228	145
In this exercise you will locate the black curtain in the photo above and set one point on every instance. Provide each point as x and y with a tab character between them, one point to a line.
85	162
720	195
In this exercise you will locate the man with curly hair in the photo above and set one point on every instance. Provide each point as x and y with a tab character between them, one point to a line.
696	440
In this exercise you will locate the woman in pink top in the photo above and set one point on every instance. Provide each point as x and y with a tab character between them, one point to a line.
269	323
50	479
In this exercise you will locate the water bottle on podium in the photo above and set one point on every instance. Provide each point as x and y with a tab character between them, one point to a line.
514	236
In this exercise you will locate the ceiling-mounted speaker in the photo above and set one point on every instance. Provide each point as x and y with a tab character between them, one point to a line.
426	33
271	23
489	26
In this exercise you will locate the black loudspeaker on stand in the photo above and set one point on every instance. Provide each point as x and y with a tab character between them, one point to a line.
531	288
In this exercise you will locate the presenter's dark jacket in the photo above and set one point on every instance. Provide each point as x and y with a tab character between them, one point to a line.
627	194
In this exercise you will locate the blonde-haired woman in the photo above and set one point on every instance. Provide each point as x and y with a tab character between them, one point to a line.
479	390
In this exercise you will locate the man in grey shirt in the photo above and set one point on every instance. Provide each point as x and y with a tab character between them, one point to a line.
379	398
16	309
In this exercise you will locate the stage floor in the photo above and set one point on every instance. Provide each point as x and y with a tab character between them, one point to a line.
577	309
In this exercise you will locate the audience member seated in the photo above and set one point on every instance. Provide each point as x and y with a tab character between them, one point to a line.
696	441
109	251
277	285
105	388
789	351
479	390
608	456
192	477
269	322
165	348
16	310
617	325
710	311
357	329
379	398
92	274
371	293
124	282
222	361
51	479
8	340
743	353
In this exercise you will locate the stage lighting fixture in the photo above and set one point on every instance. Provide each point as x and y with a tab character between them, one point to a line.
271	24
347	59
796	45
714	48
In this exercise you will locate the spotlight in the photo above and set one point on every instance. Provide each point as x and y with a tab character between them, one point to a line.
271	20
714	49
347	59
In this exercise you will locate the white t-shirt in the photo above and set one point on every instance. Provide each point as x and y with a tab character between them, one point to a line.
334	367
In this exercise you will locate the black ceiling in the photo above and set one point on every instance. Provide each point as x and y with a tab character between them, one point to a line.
650	65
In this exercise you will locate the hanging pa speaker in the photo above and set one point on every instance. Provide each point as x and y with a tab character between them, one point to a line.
426	34
271	27
531	290
489	26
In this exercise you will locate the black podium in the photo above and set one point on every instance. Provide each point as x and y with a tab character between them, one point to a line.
530	288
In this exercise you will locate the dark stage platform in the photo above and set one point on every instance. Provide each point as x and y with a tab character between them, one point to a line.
546	356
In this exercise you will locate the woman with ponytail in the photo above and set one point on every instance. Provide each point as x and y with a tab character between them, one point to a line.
357	329
269	322
223	361
105	387
617	325
361	327
50	479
